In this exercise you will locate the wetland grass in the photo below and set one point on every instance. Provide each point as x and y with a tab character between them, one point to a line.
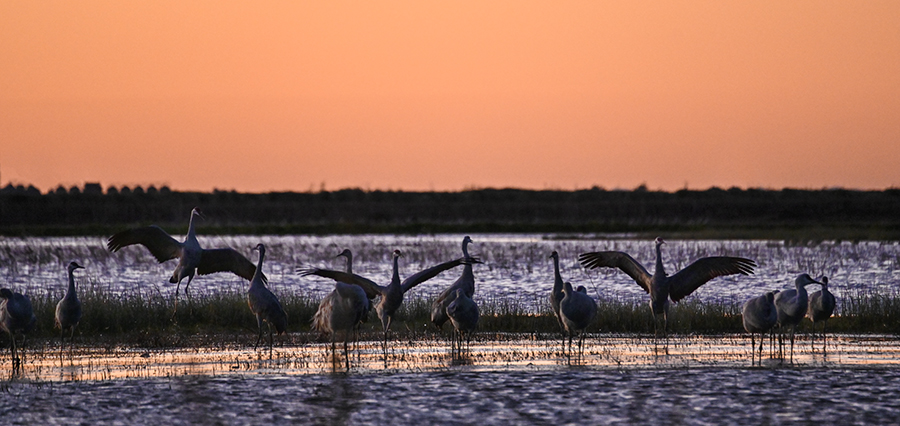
143	317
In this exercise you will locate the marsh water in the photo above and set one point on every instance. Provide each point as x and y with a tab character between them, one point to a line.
510	379
516	266
501	379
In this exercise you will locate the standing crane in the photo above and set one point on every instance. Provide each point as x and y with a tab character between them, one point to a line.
466	282
464	315
68	310
821	307
16	316
556	294
263	303
791	306
342	310
577	310
759	316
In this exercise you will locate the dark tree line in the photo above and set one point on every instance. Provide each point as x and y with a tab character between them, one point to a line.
876	213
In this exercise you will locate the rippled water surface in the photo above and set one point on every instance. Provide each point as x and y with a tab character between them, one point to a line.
711	396
501	380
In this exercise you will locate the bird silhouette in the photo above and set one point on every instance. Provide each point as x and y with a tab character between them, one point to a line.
342	310
192	258
577	310
263	303
821	307
759	316
347	254
464	315
68	310
791	306
663	287
16	316
556	294
466	282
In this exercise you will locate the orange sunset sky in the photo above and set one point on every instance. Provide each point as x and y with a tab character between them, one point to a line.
447	95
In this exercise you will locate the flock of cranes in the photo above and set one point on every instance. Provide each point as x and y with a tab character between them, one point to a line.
348	305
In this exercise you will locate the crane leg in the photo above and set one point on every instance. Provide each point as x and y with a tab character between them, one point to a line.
752	348
792	343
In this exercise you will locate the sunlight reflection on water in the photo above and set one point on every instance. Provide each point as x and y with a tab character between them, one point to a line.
516	266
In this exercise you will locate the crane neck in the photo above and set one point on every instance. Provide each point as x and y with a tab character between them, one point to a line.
556	275
465	248
660	269
801	288
191	232
257	276
71	289
395	278
349	263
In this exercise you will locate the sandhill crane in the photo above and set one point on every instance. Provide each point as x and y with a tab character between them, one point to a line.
68	310
466	282
263	303
577	310
342	310
346	253
392	294
463	313
16	316
662	287
759	316
821	306
556	294
791	306
191	257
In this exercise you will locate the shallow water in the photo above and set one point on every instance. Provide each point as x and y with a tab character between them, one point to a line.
620	380
687	387
515	266
562	396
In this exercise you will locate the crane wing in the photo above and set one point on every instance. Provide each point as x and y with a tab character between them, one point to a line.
372	290
698	273
427	274
617	259
161	245
226	260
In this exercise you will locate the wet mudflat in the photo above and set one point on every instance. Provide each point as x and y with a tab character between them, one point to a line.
506	378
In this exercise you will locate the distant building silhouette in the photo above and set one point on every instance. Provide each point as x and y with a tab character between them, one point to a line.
93	188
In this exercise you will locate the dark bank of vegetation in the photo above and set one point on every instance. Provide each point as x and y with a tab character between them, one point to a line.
714	213
144	317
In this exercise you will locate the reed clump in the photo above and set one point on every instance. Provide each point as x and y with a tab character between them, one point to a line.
145	316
